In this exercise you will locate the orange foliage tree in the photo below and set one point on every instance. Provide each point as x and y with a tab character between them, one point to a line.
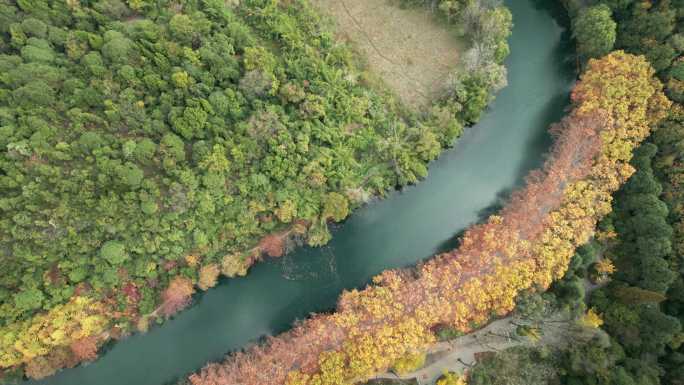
208	276
273	245
528	245
177	296
85	349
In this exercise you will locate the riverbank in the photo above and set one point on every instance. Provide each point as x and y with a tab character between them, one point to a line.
528	245
397	231
174	198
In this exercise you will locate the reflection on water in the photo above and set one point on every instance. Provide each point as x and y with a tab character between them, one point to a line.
319	266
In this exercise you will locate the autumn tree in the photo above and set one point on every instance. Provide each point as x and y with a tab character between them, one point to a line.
177	295
273	245
208	276
85	349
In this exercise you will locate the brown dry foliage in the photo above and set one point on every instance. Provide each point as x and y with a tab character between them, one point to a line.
208	276
85	349
273	245
39	368
177	296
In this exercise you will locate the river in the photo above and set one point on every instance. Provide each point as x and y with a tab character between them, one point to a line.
465	184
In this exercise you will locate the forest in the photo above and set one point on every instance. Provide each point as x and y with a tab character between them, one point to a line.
149	147
628	330
639	337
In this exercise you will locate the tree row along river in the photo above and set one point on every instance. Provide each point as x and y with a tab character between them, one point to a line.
465	184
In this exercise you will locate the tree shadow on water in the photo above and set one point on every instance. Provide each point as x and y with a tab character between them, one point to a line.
496	206
555	9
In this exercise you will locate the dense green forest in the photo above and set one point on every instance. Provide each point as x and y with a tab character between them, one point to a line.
133	137
150	145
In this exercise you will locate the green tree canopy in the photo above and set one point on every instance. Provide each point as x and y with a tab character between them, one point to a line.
595	31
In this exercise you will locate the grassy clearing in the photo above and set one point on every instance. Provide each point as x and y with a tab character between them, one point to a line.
407	48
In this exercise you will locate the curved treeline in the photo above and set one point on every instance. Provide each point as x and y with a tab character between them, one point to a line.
528	246
147	147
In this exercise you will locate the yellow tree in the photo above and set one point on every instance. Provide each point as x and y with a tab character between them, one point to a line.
591	319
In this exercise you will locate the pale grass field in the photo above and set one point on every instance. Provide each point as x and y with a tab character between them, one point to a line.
410	51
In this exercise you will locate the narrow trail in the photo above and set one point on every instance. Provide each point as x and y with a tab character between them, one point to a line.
461	353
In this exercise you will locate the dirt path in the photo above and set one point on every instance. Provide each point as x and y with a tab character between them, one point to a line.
459	354
405	47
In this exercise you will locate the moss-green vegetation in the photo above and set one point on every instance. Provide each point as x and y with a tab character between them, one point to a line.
514	366
643	335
